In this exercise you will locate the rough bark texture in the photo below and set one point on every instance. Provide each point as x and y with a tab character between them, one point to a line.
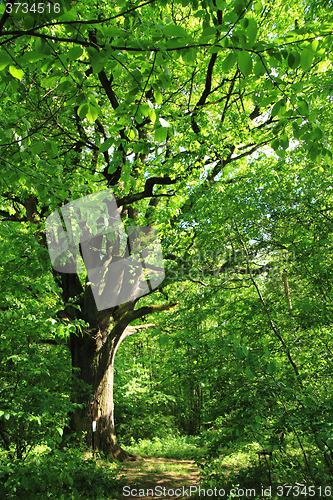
93	353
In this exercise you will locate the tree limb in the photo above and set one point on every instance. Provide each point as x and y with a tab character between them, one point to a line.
205	93
130	330
143	311
148	191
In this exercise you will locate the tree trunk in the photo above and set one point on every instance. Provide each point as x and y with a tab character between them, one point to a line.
93	353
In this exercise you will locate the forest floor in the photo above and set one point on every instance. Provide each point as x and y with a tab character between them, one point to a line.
166	477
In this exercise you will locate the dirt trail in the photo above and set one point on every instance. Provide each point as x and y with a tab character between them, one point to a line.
166	477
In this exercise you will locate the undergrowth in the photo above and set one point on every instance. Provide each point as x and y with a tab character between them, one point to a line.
178	447
62	474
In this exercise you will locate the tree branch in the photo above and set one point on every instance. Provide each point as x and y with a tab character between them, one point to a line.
148	191
130	330
143	311
205	93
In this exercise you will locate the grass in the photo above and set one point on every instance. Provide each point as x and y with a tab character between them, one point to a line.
178	447
238	465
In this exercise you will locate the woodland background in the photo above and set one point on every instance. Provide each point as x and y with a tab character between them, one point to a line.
211	122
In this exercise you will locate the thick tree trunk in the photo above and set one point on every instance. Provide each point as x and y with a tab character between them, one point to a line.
98	406
93	353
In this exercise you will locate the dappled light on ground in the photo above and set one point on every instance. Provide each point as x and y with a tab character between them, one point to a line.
159	475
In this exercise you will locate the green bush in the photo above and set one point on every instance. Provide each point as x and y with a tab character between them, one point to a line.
146	427
179	447
64	474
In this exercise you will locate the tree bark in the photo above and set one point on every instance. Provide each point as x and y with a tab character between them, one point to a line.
93	354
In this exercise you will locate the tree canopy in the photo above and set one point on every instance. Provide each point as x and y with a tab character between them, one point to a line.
210	121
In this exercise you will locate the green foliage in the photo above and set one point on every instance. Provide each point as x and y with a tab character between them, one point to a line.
211	122
178	447
141	407
244	468
35	376
62	473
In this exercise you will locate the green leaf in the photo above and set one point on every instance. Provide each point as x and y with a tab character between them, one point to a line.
278	107
92	113
25	483
319	442
303	107
189	56
245	22
229	61
152	115
271	368
314	45
137	148
113	31
259	69
210	32
251	31
75	53
37	148
164	340
293	60
49	82
144	109
174	30
158	96
131	134
106	145
16	72
249	373
191	342
161	134
245	62
82	111
28	22
5	59
306	59
33	56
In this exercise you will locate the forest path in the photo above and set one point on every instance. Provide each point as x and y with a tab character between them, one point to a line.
166	477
